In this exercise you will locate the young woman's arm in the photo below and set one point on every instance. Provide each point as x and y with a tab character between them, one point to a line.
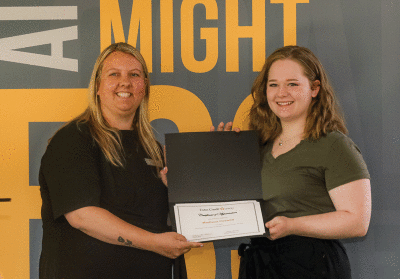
351	218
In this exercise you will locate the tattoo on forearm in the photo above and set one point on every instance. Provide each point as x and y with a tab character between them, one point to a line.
126	243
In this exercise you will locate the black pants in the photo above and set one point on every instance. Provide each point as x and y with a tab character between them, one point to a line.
293	257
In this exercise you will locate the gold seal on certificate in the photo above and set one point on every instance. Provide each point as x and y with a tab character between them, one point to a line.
213	221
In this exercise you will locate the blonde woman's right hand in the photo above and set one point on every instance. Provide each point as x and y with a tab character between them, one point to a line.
172	244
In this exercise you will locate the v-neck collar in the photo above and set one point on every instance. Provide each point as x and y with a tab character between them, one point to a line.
272	159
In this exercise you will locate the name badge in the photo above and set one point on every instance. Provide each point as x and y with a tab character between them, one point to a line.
149	162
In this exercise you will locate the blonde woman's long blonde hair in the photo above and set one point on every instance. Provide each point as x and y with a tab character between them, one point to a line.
107	137
324	114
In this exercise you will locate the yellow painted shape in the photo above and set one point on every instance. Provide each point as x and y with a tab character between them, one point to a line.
142	16
110	15
18	107
235	263
210	35
242	119
181	106
234	31
201	262
289	20
167	36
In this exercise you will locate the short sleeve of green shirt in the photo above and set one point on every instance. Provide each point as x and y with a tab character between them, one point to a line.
344	162
297	183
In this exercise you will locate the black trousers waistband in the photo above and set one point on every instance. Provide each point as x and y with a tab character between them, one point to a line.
293	257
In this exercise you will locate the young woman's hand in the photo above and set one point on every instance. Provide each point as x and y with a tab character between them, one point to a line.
227	127
278	227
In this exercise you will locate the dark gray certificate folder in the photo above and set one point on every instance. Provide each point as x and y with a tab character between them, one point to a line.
213	166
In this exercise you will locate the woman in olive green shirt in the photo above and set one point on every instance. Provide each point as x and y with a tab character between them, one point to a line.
316	184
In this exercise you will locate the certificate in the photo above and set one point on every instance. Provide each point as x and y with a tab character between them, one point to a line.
220	220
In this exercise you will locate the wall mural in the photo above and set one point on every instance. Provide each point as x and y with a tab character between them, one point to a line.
203	56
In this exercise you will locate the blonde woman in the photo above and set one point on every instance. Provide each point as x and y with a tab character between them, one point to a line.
105	204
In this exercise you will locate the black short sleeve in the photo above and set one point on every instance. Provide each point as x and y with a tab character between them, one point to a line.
69	170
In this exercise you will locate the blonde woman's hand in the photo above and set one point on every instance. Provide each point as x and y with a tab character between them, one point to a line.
172	244
164	171
163	176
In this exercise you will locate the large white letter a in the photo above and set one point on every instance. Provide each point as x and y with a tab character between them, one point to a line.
55	37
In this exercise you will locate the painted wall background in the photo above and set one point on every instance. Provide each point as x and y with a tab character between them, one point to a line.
204	56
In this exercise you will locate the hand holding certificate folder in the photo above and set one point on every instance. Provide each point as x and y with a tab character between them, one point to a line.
213	182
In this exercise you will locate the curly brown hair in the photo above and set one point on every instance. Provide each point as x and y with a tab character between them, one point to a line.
324	114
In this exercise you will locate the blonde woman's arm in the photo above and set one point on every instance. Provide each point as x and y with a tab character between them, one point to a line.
105	226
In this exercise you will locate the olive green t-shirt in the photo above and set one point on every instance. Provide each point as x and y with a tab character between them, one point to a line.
297	182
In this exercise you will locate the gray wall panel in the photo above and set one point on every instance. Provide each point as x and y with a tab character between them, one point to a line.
357	41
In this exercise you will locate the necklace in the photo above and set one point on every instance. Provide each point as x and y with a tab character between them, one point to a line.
281	140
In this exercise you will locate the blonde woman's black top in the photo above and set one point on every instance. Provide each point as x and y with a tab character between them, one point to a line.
75	174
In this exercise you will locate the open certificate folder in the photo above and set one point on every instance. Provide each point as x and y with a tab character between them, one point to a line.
214	180
211	221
